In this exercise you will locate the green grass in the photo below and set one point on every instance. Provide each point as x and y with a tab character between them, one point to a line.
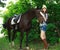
4	45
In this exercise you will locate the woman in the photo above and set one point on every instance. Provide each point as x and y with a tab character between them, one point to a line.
43	25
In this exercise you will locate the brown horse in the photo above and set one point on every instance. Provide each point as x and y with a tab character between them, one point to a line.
23	26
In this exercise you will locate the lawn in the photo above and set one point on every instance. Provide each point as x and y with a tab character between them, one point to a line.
4	45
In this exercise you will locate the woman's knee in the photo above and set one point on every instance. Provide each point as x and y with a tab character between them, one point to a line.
43	37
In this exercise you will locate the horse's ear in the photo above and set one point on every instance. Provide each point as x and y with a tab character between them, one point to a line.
37	7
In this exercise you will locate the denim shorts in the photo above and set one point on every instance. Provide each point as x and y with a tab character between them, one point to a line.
43	27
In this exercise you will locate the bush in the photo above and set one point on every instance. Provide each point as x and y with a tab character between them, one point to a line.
34	32
52	36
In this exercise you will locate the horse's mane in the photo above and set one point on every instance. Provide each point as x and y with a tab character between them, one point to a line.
32	9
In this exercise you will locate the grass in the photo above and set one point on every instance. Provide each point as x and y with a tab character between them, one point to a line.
4	45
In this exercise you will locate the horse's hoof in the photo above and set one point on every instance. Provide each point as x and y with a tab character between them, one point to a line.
20	49
12	43
9	44
27	48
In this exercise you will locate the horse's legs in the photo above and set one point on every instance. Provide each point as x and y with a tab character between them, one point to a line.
13	36
9	35
21	38
27	40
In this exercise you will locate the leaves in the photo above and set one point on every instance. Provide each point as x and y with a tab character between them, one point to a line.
2	4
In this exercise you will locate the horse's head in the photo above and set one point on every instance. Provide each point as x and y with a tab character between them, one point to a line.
39	17
4	25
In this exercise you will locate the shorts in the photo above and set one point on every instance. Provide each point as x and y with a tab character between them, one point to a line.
43	27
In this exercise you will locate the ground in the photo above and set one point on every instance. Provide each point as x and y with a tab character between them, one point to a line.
4	45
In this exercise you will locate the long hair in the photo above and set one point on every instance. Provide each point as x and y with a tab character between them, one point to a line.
43	11
41	19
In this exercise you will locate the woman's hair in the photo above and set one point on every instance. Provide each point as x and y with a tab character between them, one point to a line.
43	11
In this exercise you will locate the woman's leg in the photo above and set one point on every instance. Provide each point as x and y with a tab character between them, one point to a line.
43	37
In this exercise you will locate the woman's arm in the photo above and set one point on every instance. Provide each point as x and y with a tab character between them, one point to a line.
45	18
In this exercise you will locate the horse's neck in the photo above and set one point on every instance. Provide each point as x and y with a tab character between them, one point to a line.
29	15
33	14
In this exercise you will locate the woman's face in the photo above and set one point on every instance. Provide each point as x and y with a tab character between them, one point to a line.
44	9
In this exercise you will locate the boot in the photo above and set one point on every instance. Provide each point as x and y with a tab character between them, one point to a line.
45	43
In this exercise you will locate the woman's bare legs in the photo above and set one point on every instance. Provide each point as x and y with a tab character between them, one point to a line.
43	37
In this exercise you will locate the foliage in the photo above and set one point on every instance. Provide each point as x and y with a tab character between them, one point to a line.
35	31
52	35
2	4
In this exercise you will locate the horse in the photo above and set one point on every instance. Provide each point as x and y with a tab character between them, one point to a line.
24	25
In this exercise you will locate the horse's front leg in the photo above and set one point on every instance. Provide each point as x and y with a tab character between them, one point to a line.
21	39
27	47
9	36
13	36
